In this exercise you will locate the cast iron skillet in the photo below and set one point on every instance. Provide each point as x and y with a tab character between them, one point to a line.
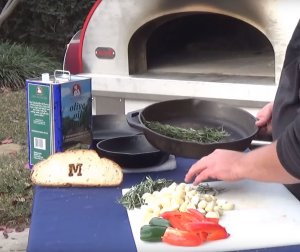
110	126
131	152
196	113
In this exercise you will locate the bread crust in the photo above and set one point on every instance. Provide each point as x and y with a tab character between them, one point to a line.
77	168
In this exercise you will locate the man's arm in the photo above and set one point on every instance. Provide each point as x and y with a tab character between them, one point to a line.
261	164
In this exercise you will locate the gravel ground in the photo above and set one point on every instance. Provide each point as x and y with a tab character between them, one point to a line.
16	241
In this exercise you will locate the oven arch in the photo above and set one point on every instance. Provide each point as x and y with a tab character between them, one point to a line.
222	47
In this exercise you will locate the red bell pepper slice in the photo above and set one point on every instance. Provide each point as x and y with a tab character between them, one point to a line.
189	216
196	214
214	230
195	224
168	214
201	217
214	220
178	237
217	235
178	219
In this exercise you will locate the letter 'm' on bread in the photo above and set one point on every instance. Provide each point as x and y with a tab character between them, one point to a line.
83	168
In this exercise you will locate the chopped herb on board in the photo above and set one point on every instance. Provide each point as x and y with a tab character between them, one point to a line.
133	198
204	135
207	189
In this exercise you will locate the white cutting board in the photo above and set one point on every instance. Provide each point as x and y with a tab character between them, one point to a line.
265	215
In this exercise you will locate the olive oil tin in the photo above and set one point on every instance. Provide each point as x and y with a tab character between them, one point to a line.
59	114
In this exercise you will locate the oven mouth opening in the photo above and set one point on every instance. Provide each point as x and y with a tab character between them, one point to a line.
203	47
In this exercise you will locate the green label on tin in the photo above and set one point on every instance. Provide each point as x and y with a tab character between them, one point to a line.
39	110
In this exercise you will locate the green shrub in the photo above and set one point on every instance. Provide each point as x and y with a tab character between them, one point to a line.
46	24
19	62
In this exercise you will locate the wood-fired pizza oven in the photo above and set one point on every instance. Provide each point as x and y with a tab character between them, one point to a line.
139	52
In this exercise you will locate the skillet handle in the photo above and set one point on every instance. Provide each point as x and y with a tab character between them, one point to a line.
133	119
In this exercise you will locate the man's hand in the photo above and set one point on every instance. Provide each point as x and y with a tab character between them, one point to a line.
264	118
221	165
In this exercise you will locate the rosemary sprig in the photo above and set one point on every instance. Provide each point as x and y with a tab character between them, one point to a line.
133	198
207	189
204	135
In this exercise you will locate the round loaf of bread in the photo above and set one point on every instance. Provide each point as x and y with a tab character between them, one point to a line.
82	168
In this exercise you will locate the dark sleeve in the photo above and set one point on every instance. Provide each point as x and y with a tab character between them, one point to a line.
287	101
293	48
288	148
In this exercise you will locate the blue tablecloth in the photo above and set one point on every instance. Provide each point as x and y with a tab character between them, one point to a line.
91	219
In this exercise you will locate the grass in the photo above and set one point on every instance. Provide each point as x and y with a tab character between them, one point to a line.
13	116
15	185
17	63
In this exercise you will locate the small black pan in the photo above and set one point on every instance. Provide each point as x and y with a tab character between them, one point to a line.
131	152
108	126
